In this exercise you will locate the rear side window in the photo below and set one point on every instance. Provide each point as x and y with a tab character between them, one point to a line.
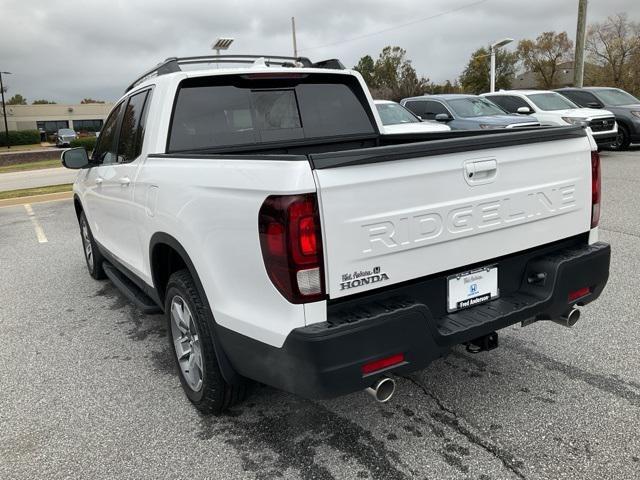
132	129
432	109
229	111
581	98
105	148
508	103
416	107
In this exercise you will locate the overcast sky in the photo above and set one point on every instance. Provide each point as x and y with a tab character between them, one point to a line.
70	49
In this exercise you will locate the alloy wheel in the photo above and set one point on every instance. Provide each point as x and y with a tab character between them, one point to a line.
86	243
186	341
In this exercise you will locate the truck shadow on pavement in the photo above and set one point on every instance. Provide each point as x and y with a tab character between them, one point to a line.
276	434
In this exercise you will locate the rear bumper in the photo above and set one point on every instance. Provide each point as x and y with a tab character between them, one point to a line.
324	360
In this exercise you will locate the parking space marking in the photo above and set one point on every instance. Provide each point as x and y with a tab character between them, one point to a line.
42	238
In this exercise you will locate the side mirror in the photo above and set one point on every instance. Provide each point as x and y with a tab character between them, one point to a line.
443	117
594	105
75	158
524	110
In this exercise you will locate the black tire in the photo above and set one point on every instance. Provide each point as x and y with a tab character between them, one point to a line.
94	259
215	395
622	141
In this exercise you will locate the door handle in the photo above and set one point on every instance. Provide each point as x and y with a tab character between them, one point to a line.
125	181
486	166
480	171
99	180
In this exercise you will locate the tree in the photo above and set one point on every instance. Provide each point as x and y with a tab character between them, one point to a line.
391	76
446	87
544	56
17	99
42	102
476	77
365	67
613	46
91	100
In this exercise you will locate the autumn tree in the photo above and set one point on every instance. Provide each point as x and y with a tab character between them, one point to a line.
17	99
613	47
476	77
545	55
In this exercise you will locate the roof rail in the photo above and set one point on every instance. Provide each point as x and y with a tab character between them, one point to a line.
172	64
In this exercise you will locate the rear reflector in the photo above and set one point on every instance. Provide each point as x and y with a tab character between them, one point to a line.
576	294
383	363
596	187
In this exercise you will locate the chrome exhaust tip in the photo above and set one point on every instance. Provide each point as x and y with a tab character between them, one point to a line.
569	318
383	389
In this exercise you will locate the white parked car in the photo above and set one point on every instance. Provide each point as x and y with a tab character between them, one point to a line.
551	108
289	242
396	120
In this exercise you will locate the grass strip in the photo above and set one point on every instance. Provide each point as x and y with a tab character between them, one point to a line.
37	165
26	192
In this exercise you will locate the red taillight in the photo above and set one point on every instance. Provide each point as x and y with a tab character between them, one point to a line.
307	229
596	185
383	363
291	244
576	294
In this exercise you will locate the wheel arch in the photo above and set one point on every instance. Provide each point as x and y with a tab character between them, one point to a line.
624	123
167	255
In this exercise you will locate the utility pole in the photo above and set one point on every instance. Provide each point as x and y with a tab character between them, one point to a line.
4	110
293	32
578	60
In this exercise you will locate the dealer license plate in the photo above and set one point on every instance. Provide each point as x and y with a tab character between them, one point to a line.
469	289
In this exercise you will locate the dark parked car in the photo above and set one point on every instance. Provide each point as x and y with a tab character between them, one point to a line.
623	105
465	112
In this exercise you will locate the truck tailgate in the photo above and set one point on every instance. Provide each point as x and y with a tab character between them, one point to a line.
393	220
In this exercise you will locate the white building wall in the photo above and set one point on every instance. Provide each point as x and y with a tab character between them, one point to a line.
25	117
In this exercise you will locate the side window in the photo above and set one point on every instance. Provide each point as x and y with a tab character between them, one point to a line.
432	109
132	129
508	103
582	99
416	107
104	152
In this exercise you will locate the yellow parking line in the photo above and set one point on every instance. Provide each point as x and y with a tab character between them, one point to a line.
42	238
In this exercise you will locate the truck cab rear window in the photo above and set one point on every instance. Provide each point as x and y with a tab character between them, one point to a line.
210	116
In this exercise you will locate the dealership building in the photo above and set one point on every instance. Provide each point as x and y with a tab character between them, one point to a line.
51	117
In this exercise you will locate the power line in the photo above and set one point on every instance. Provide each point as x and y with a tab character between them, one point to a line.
413	22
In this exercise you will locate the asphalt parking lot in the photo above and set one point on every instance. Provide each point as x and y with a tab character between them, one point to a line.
88	388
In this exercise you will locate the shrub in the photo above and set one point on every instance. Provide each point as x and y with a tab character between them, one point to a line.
20	137
89	143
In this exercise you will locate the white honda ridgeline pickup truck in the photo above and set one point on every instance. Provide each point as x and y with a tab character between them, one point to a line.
289	242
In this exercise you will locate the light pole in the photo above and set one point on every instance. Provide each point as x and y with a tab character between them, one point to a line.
222	43
493	48
4	109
